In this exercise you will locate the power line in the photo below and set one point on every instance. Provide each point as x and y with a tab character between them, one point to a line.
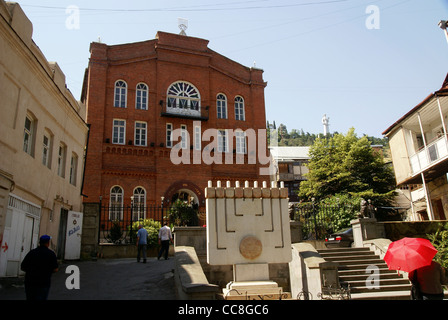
196	8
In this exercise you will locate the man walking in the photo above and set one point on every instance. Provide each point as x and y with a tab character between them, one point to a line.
39	264
165	237
142	241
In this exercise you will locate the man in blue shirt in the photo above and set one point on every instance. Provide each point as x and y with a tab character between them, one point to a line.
142	238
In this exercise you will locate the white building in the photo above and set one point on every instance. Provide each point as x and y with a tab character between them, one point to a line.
42	140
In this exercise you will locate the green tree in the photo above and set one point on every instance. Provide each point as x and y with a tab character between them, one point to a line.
439	239
346	164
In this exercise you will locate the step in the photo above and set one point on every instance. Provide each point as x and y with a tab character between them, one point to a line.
382	288
364	276
346	253
382	282
335	250
352	258
386	295
354	272
363	262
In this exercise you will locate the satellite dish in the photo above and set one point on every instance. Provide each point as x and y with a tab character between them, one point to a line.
183	25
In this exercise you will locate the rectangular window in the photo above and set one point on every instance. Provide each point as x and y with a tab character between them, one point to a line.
46	150
140	133
73	169
197	138
61	160
28	135
169	137
184	136
119	131
222	141
47	144
240	138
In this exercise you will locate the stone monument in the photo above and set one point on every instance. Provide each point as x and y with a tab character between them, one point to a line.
248	227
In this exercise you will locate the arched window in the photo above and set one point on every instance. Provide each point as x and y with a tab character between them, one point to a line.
183	98
116	203
139	204
141	102
239	108
221	106
120	94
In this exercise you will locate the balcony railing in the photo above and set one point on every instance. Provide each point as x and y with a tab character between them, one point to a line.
433	152
178	110
290	177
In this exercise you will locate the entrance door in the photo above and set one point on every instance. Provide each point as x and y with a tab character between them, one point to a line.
62	233
17	242
73	236
27	238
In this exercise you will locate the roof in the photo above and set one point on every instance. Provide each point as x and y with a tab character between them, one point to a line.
289	153
443	91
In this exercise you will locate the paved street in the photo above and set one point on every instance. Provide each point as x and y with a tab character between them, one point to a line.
106	279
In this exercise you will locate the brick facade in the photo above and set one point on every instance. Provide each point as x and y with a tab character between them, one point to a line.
158	64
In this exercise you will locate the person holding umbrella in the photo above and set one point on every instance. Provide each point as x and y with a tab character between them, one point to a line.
415	256
429	280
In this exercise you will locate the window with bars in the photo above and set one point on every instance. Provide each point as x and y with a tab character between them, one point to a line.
139	204
116	203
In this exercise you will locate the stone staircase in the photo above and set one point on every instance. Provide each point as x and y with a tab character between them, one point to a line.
356	269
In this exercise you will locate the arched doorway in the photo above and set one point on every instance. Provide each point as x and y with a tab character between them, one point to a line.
184	190
185	195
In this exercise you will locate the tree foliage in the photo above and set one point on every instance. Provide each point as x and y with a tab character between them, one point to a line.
346	164
296	137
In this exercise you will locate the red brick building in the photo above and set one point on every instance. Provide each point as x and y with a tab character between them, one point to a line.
141	97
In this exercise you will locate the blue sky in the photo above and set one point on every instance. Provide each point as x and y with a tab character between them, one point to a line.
363	66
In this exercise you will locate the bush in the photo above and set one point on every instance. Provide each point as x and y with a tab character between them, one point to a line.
151	226
115	232
439	240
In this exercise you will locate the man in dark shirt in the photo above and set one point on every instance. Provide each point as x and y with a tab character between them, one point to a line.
39	264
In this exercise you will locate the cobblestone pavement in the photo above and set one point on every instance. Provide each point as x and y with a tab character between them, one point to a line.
105	279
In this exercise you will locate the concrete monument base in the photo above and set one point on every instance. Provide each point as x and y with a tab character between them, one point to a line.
254	290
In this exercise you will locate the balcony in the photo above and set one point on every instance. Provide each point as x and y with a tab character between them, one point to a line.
184	110
433	153
290	177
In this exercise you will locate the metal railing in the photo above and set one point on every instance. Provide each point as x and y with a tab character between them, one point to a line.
118	223
319	220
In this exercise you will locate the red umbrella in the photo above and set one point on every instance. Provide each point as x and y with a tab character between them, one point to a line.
408	254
